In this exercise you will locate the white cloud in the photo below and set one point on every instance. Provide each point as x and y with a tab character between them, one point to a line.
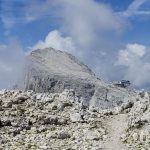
132	53
5	68
134	7
55	40
89	26
11	63
135	60
86	20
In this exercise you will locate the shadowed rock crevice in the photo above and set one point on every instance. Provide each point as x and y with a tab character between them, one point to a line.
56	84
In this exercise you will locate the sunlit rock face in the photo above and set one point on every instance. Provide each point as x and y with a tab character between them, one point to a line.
50	70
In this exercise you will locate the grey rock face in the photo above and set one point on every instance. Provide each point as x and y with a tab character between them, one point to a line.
56	84
109	96
52	71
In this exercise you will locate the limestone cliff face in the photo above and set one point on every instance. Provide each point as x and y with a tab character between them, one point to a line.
50	70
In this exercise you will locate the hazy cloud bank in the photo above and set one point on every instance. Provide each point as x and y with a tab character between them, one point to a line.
55	40
11	64
135	60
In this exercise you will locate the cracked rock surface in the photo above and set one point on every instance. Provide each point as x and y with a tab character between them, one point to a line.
56	121
31	120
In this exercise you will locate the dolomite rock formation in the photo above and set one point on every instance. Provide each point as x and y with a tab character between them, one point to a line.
50	70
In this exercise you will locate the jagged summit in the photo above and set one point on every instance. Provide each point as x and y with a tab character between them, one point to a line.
59	62
50	70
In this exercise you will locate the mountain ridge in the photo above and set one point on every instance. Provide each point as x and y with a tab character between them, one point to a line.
50	70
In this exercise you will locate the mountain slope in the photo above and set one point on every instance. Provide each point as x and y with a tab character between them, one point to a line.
50	70
58	62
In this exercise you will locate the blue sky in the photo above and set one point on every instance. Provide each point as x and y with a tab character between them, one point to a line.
30	32
112	34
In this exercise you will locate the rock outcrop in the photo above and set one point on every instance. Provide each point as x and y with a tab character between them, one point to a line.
137	133
30	120
50	70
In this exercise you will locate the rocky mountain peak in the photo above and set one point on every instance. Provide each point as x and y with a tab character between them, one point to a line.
59	62
53	71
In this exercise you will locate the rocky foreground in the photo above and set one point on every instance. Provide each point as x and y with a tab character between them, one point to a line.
35	121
